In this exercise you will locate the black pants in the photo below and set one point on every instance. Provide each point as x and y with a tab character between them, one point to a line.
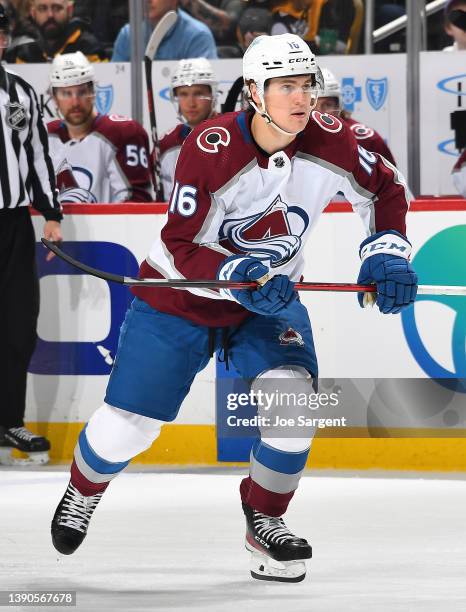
19	309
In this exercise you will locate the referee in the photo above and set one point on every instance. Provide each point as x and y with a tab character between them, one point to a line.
26	177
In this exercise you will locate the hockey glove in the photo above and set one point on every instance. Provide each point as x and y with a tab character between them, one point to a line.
385	262
274	296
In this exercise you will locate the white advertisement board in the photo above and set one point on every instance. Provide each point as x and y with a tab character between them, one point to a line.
80	315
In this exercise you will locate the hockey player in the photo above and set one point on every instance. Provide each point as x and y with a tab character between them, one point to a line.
97	158
193	92
249	187
459	174
330	102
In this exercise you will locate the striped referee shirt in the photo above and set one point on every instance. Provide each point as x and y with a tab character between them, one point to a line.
26	171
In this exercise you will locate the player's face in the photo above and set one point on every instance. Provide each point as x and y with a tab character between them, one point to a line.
195	102
76	103
50	15
328	106
289	101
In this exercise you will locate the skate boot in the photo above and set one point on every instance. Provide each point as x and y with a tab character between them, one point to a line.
277	554
71	519
20	438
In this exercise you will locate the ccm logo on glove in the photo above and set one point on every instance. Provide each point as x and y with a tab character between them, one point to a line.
385	262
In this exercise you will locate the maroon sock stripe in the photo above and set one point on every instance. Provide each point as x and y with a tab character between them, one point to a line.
262	500
85	486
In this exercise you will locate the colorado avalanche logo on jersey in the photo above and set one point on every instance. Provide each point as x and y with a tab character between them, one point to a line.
377	90
104	98
69	189
273	235
329	123
361	131
210	139
291	336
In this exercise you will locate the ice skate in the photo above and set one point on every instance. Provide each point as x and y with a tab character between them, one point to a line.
71	519
19	438
277	554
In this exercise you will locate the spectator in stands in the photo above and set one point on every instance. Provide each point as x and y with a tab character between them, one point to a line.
107	17
221	16
299	17
188	38
22	8
53	30
455	24
254	22
324	24
97	158
22	33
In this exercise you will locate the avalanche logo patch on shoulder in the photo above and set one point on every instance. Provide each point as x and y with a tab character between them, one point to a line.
361	131
329	123
118	118
16	116
211	138
291	336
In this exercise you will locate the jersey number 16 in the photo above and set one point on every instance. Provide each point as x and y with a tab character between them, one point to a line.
183	200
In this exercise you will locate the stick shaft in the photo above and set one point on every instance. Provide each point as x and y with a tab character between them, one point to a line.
156	38
216	284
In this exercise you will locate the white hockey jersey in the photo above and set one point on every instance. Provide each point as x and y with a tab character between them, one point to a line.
110	164
230	197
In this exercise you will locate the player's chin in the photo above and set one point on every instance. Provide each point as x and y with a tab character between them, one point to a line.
75	118
299	119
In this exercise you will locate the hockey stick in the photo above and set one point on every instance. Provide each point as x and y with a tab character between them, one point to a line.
160	30
130	281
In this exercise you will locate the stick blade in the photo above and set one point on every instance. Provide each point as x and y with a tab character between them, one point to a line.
160	30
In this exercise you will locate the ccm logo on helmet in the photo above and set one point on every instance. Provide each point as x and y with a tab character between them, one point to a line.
329	123
210	139
295	60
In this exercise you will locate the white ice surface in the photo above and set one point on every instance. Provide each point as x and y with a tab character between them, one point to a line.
161	541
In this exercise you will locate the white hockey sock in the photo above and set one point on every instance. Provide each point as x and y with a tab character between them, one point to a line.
117	435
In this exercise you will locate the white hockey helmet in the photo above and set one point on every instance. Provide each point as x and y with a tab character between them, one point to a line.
195	71
331	86
268	57
71	69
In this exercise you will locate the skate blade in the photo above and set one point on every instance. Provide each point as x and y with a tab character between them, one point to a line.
266	568
12	457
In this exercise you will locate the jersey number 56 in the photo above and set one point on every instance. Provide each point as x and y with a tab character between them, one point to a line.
136	156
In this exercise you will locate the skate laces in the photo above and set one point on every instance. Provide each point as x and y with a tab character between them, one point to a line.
23	433
77	509
272	528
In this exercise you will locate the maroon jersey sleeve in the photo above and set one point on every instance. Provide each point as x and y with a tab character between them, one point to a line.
57	128
370	139
390	197
131	145
190	206
376	189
